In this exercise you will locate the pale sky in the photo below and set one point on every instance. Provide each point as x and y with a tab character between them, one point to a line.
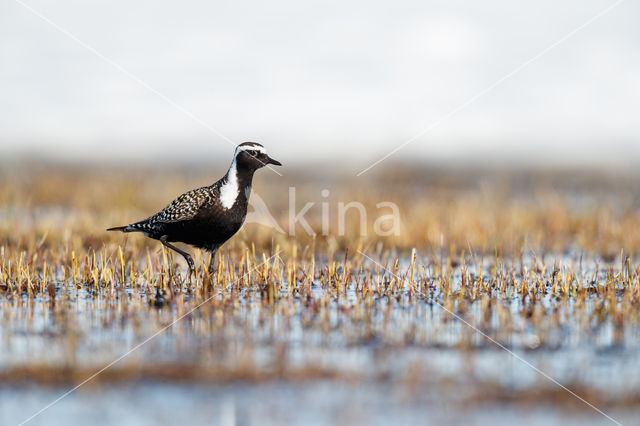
321	80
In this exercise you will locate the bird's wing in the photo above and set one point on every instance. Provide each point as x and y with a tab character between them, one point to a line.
185	207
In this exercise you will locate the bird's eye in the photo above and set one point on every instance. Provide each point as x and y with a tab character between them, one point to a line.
253	153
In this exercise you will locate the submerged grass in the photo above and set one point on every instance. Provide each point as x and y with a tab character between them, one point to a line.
545	266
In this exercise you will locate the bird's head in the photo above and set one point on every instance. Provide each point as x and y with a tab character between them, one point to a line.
252	155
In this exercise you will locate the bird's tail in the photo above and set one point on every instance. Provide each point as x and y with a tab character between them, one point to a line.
125	228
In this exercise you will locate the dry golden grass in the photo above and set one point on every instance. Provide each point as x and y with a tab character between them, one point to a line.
50	206
536	262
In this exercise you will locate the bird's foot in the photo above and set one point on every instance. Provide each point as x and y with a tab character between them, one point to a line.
192	265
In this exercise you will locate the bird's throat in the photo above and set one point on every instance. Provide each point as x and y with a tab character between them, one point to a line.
237	185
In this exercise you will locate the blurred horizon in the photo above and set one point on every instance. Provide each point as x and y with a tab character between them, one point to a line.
202	159
317	82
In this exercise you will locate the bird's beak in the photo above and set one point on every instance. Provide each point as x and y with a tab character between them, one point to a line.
274	162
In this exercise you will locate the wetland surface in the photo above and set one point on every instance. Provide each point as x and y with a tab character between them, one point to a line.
490	306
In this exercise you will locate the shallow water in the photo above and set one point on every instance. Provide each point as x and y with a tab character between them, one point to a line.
316	403
324	353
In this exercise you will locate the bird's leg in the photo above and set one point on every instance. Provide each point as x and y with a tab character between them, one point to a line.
212	261
187	257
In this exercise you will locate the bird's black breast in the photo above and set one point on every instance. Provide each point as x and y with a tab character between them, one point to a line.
210	227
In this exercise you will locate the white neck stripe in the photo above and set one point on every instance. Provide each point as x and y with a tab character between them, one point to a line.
230	190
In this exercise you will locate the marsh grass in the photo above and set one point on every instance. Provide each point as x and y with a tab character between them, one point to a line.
547	269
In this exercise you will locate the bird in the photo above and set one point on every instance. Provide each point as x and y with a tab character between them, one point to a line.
207	217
